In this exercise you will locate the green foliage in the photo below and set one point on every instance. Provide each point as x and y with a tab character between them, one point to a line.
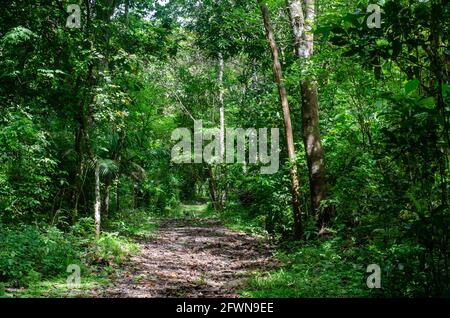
29	254
26	166
33	256
114	90
321	269
240	219
112	249
134	223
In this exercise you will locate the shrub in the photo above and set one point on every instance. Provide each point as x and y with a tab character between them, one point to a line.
112	249
29	253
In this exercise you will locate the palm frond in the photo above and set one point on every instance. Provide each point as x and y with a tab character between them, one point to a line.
108	167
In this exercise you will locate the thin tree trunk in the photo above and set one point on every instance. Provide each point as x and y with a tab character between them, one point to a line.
221	109
127	9
97	204
117	196
79	149
105	205
135	195
222	192
298	230
254	75
212	188
302	19
81	146
438	71
118	158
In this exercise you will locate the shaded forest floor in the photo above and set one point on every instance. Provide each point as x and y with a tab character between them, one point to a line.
194	252
192	257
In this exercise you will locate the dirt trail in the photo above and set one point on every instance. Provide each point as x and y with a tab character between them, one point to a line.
192	258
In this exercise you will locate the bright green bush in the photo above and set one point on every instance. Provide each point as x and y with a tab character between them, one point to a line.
113	249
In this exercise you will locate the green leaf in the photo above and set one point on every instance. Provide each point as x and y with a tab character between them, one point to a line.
411	86
428	102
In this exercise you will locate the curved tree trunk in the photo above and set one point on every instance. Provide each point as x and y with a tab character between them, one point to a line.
222	169
298	229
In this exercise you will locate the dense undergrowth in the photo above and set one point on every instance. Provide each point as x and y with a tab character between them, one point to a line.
89	120
34	259
331	266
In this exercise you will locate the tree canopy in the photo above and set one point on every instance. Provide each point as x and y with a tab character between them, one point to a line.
360	93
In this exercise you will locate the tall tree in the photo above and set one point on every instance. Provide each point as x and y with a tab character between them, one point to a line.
97	204
277	71
222	130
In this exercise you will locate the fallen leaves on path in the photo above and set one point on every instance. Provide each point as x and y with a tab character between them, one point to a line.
192	258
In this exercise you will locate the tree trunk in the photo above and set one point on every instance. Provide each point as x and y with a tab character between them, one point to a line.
314	152
135	195
81	145
118	158
117	195
212	188
78	182
105	205
298	230
221	109
127	9
302	20
222	191
97	204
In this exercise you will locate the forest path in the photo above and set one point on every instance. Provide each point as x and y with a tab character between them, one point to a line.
192	257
